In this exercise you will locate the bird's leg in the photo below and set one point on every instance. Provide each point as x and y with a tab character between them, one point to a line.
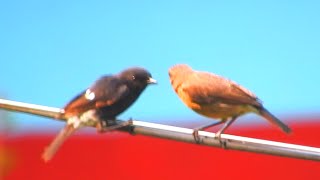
196	130
100	126
224	127
131	127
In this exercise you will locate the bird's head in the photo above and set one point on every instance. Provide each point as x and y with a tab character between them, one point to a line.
137	76
178	73
179	70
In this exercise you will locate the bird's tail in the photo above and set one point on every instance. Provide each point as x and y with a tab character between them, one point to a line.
50	151
274	120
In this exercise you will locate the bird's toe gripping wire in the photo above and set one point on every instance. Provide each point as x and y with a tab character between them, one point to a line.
223	143
195	133
109	125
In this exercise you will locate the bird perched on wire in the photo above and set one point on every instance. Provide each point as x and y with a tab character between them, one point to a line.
102	102
216	97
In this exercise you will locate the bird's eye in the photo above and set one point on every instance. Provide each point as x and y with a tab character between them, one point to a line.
133	77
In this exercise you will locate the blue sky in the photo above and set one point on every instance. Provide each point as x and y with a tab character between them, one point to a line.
52	50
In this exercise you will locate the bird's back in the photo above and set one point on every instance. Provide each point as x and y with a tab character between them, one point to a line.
207	87
210	94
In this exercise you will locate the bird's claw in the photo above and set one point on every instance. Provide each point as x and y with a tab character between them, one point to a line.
101	126
106	126
131	127
223	142
196	136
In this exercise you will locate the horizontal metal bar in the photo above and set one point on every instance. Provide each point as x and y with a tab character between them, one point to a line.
185	134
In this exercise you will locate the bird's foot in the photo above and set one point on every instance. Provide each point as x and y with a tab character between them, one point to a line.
101	125
109	125
223	142
196	136
130	126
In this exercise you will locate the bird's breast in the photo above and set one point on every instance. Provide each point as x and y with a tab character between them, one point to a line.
186	99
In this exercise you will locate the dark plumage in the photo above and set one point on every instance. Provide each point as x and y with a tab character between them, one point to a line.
216	97
112	94
105	99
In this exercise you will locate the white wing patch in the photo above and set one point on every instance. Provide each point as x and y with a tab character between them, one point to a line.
89	95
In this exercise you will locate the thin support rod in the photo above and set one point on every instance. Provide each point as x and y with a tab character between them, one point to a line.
185	134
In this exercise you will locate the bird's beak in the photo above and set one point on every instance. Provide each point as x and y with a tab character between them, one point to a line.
152	81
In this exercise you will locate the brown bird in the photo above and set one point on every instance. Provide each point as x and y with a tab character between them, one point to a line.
216	97
102	102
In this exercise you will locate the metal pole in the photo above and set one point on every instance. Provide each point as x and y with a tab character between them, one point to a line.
185	134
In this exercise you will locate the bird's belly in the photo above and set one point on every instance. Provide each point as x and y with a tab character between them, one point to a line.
215	110
222	111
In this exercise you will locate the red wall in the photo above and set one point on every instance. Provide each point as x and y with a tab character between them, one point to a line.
121	156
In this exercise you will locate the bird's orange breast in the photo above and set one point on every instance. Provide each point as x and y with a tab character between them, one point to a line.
186	99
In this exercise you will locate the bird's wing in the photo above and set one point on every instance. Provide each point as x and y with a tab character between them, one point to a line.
104	92
207	88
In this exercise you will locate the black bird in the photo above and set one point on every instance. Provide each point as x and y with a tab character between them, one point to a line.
105	99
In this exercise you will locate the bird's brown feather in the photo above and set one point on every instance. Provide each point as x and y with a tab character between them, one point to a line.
78	105
207	88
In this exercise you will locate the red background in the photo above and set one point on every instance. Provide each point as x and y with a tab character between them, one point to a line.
121	156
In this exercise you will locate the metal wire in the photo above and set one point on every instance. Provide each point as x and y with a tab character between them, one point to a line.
185	134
